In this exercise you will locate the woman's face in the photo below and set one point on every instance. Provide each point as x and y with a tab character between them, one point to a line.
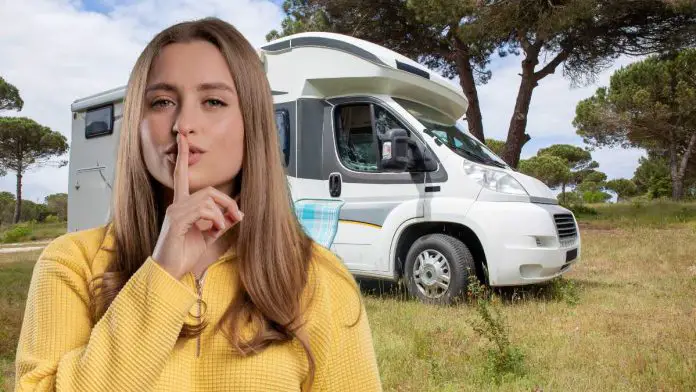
190	90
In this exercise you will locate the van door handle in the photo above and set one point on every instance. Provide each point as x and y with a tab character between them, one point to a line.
335	185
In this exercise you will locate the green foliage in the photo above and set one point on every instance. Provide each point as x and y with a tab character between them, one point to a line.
570	198
54	209
582	210
565	290
649	104
459	38
624	188
551	170
578	160
34	211
595	176
575	202
595	197
503	358
497	146
52	219
7	206
9	98
17	233
643	212
302	16
25	144
57	204
652	177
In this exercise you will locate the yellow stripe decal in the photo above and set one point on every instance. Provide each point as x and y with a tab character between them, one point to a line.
360	223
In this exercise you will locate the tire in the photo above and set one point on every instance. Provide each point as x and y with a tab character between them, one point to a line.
438	256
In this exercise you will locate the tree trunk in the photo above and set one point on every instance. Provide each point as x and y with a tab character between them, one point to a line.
518	124
18	202
466	80
563	192
678	169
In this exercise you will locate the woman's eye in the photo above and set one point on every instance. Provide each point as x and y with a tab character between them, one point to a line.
215	103
161	103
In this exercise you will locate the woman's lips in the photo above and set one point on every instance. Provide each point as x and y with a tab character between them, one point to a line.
193	158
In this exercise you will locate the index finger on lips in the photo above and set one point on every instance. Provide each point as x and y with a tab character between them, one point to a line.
181	181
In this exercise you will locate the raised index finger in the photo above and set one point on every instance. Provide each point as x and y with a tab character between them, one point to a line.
181	181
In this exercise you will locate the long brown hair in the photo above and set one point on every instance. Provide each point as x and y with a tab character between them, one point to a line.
273	251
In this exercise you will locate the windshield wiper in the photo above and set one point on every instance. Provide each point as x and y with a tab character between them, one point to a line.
479	158
495	163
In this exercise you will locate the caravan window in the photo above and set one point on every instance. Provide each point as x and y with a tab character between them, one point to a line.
99	121
356	143
282	120
359	128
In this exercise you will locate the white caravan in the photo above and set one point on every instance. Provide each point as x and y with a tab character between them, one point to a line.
423	199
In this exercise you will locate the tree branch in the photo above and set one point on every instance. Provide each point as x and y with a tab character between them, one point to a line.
522	36
358	25
551	66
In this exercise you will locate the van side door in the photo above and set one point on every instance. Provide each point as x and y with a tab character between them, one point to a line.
377	201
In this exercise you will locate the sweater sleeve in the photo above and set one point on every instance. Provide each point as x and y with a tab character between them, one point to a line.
60	350
350	364
341	336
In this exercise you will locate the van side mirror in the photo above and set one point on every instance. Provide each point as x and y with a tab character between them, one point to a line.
395	150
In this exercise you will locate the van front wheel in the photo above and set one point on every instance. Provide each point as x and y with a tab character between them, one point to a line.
437	268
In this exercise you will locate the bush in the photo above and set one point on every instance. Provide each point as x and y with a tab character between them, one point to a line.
595	197
581	209
52	219
17	233
575	203
504	358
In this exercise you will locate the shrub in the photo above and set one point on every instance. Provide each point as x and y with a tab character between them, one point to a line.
52	219
581	209
503	358
17	233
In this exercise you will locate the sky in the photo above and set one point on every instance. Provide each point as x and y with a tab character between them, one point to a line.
57	51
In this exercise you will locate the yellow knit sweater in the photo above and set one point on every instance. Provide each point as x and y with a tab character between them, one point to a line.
135	346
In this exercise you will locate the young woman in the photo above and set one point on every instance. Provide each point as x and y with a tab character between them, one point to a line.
181	290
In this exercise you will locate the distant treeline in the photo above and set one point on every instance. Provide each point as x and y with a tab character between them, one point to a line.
53	209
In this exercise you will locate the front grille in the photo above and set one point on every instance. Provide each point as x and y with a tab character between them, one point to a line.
565	226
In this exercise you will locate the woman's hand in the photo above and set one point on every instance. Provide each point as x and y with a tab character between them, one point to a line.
192	222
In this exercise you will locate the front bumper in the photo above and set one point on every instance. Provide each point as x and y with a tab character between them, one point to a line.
526	243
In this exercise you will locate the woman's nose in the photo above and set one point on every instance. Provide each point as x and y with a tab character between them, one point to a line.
187	121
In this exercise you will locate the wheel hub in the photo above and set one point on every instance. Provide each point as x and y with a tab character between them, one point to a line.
431	273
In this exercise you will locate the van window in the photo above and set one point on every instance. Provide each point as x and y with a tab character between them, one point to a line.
357	146
282	120
358	138
452	133
99	121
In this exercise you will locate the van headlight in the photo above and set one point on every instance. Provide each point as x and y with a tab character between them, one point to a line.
495	180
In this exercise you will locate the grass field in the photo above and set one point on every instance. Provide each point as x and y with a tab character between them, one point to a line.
624	319
29	232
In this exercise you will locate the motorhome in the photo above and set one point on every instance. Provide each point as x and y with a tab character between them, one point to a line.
423	201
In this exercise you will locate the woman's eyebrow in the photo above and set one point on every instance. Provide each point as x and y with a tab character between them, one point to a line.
160	86
215	86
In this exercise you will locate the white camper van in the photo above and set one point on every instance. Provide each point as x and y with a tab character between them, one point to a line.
423	199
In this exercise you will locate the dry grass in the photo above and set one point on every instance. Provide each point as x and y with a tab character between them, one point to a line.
624	319
15	275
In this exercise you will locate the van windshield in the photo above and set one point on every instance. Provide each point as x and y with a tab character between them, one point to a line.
452	133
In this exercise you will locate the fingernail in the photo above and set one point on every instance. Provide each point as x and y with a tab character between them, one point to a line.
240	215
